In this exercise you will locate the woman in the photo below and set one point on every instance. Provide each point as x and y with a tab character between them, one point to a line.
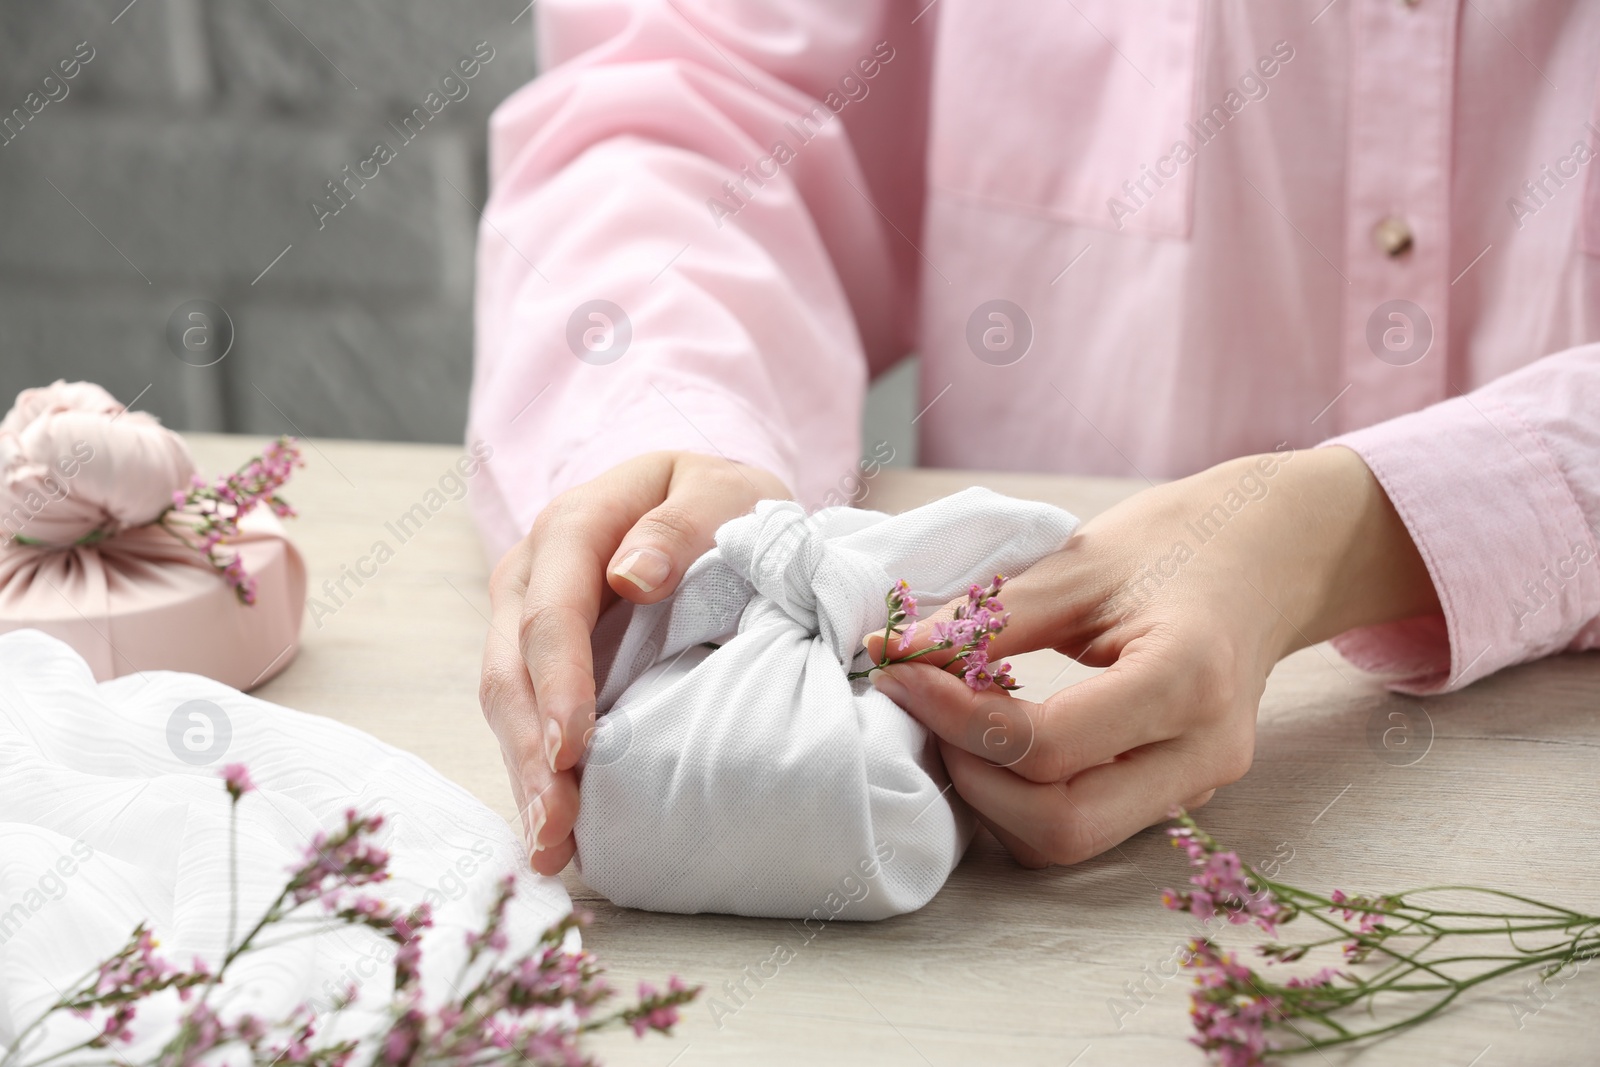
1173	241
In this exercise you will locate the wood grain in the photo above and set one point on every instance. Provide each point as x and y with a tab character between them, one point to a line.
1005	965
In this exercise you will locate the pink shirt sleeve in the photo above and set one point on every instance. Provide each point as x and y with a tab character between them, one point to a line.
1500	489
698	236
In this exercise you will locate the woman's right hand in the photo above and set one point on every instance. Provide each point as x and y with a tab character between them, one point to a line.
632	532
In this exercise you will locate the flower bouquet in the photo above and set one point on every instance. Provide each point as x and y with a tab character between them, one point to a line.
1405	957
529	1009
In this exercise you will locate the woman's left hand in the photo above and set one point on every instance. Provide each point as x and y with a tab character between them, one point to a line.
1187	593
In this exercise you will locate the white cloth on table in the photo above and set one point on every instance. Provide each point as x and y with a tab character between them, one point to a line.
756	778
112	813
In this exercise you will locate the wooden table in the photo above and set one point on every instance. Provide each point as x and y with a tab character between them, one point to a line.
1005	965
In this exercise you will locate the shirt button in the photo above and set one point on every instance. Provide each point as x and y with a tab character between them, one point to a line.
1392	235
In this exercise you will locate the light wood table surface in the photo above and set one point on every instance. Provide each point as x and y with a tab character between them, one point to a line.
1497	786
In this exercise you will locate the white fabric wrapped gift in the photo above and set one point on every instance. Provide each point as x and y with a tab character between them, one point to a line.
756	778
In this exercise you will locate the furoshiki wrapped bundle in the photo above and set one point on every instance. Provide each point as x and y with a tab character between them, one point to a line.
736	767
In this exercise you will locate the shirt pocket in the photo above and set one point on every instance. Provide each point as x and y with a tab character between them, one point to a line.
1052	107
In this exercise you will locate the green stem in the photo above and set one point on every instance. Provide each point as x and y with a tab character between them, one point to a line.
1490	892
64	1052
233	870
1459	986
61	1002
907	659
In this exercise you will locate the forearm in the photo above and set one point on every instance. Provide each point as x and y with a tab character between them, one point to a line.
645	262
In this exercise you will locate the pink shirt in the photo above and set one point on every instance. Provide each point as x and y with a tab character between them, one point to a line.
1127	239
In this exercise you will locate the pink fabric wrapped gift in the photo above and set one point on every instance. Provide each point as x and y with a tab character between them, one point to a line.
82	480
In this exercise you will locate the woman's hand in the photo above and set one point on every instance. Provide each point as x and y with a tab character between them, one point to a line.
631	532
1187	593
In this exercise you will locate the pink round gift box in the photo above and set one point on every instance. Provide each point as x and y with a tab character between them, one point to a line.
142	601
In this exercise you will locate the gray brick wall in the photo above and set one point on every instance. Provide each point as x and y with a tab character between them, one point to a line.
181	161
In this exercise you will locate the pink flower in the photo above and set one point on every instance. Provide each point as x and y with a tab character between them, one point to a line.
207	515
407	964
1371	911
975	667
340	860
1315	981
121	981
657	1010
969	633
1228	1009
902	609
902	598
1002	677
403	1039
1221	885
236	777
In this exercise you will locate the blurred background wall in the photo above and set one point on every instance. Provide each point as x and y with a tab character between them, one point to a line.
180	164
161	159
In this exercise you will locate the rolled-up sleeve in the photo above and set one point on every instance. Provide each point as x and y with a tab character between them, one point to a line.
1500	490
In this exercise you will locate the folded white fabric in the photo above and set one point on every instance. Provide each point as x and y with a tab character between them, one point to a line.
112	813
756	778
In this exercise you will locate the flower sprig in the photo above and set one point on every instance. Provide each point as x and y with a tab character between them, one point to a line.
206	515
1243	1016
533	1007
974	624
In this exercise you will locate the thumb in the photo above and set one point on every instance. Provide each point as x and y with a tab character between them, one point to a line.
658	549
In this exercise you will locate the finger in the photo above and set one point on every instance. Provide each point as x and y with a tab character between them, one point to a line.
553	859
1068	822
565	592
580	537
546	802
695	499
1132	704
1025	854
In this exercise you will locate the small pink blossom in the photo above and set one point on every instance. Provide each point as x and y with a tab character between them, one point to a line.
1222	884
1315	981
1229	1010
658	1011
969	633
339	860
236	777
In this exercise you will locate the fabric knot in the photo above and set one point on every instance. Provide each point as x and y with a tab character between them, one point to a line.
797	565
779	555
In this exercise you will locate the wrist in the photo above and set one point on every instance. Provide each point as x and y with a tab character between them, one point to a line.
1345	557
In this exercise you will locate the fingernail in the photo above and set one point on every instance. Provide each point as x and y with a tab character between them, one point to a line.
891	687
552	741
646	568
535	824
